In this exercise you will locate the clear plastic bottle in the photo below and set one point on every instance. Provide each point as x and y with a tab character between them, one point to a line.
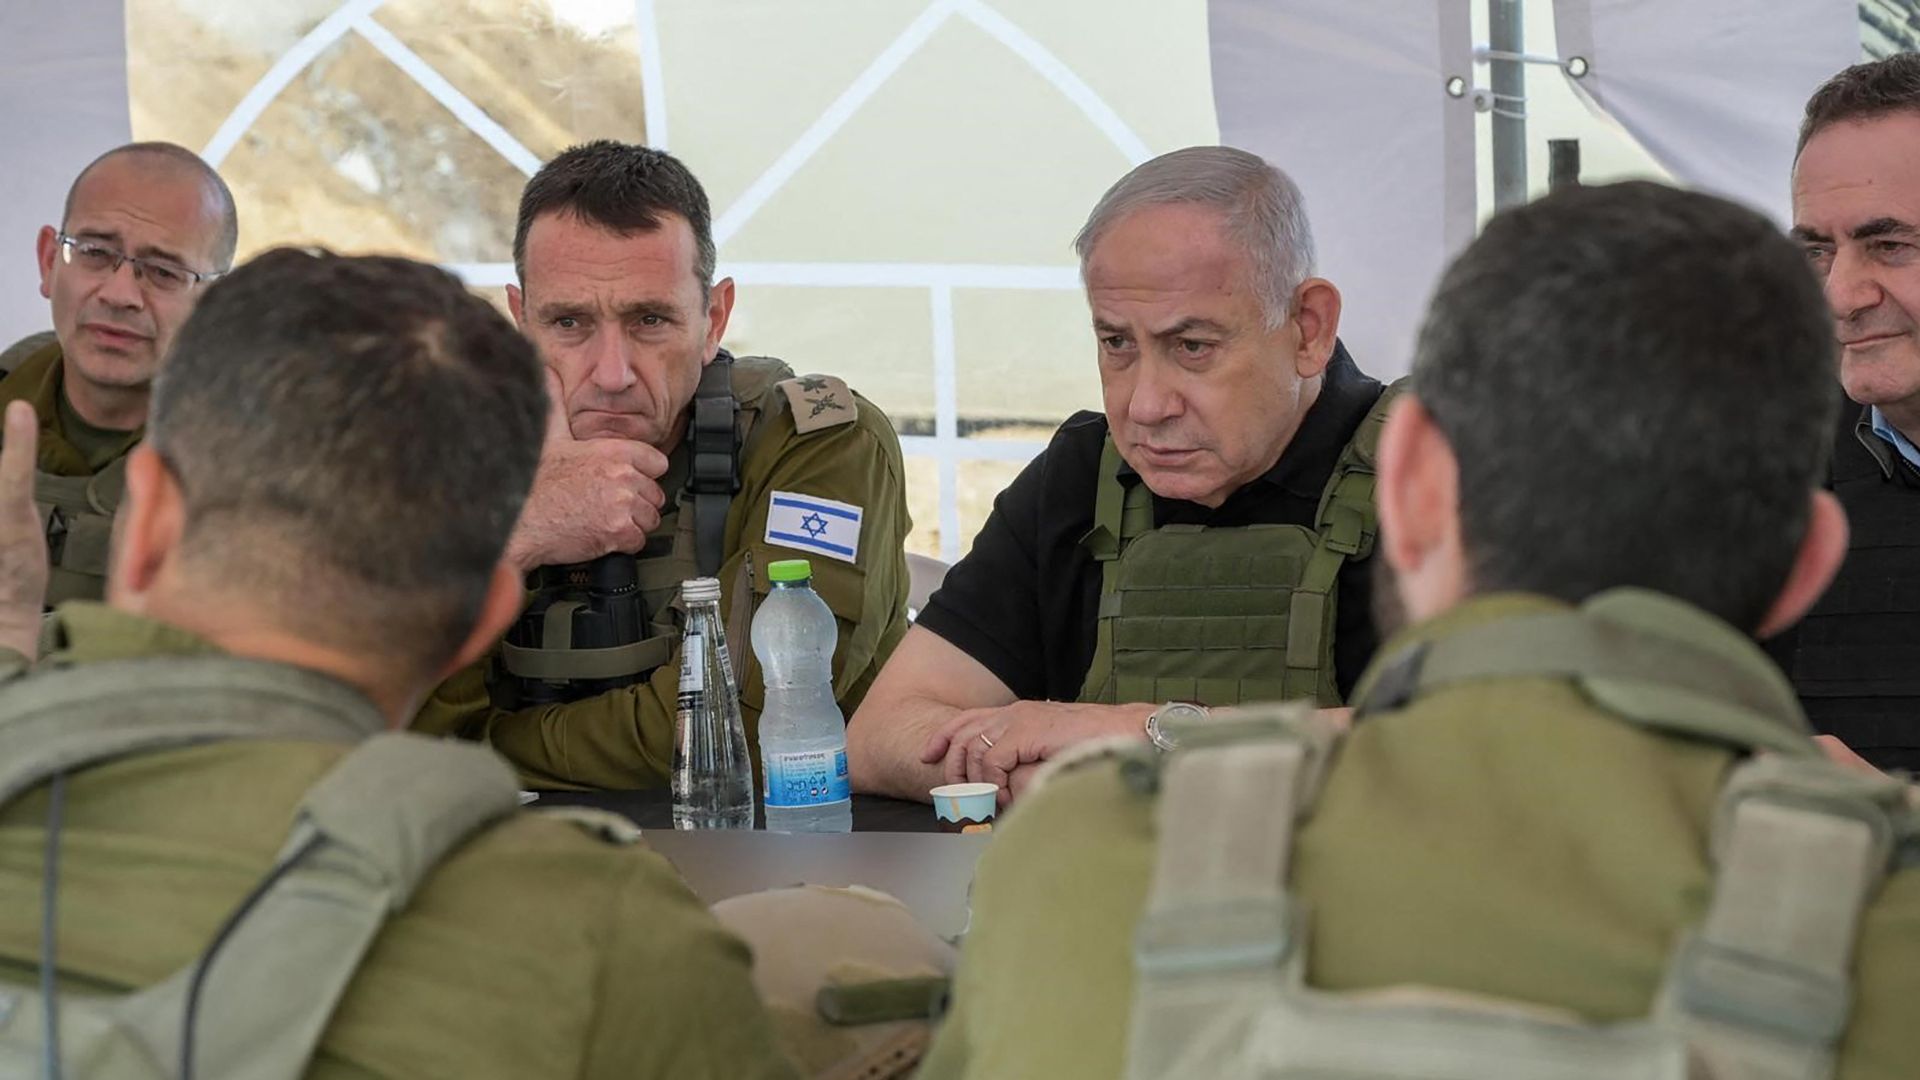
712	775
803	734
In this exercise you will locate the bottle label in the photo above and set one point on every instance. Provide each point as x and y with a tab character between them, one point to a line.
807	778
693	664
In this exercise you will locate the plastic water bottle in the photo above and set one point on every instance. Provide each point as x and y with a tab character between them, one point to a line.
712	774
803	735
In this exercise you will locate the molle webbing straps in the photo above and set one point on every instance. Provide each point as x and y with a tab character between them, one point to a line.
77	513
1762	988
1346	523
1230	614
715	476
1219	924
1120	512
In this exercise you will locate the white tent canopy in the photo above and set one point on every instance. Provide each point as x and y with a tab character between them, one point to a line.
895	182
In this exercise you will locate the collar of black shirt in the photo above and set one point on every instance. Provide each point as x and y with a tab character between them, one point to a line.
1346	394
1893	464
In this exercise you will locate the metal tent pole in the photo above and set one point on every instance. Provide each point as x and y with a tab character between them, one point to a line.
1506	36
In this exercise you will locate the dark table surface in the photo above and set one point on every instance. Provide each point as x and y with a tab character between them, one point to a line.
895	847
653	809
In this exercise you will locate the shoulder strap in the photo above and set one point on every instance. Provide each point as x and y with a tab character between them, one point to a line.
1762	989
1219	922
715	475
366	836
1121	512
819	402
63	720
1660	682
1347	524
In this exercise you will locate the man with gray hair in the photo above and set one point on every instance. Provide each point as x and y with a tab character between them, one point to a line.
1203	542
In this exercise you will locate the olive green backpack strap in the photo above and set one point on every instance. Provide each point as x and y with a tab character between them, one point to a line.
1219	923
1347	524
365	838
1657	680
256	1001
63	720
1121	512
1762	989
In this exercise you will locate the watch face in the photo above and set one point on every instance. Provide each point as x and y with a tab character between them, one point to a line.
1180	712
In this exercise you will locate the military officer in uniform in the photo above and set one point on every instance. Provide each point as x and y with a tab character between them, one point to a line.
1201	543
249	871
1579	826
146	226
1856	208
666	458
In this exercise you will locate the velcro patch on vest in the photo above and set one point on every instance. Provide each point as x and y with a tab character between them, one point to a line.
814	525
819	401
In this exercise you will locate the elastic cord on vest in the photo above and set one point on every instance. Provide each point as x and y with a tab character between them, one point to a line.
220	938
50	924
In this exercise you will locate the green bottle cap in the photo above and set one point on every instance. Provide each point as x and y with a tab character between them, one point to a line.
790	570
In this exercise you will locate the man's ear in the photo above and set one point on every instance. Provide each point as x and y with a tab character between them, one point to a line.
46	248
1316	307
506	595
1822	550
719	310
1418	493
1417	486
516	305
147	530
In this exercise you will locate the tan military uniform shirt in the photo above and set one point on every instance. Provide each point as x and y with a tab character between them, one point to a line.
1505	837
623	739
535	950
35	378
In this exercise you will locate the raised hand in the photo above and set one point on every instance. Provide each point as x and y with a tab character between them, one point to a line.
590	497
23	536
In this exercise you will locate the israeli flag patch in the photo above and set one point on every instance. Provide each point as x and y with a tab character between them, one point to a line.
814	525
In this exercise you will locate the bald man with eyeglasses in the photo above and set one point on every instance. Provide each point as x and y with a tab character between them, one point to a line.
146	226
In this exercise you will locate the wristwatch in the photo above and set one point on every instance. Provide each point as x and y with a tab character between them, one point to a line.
1176	713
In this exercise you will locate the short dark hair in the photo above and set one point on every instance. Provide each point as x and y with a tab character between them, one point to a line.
620	187
229	236
1863	92
354	438
1640	385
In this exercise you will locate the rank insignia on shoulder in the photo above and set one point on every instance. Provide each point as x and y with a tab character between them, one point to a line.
814	525
819	401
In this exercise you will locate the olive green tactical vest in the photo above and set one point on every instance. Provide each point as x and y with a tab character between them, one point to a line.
673	552
78	514
77	511
366	835
1222	616
1759	990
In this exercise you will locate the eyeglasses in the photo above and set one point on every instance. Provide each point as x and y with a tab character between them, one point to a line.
163	275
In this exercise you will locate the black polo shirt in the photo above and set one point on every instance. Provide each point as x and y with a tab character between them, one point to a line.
1024	601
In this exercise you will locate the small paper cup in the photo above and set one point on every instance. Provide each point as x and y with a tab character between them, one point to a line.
965	808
